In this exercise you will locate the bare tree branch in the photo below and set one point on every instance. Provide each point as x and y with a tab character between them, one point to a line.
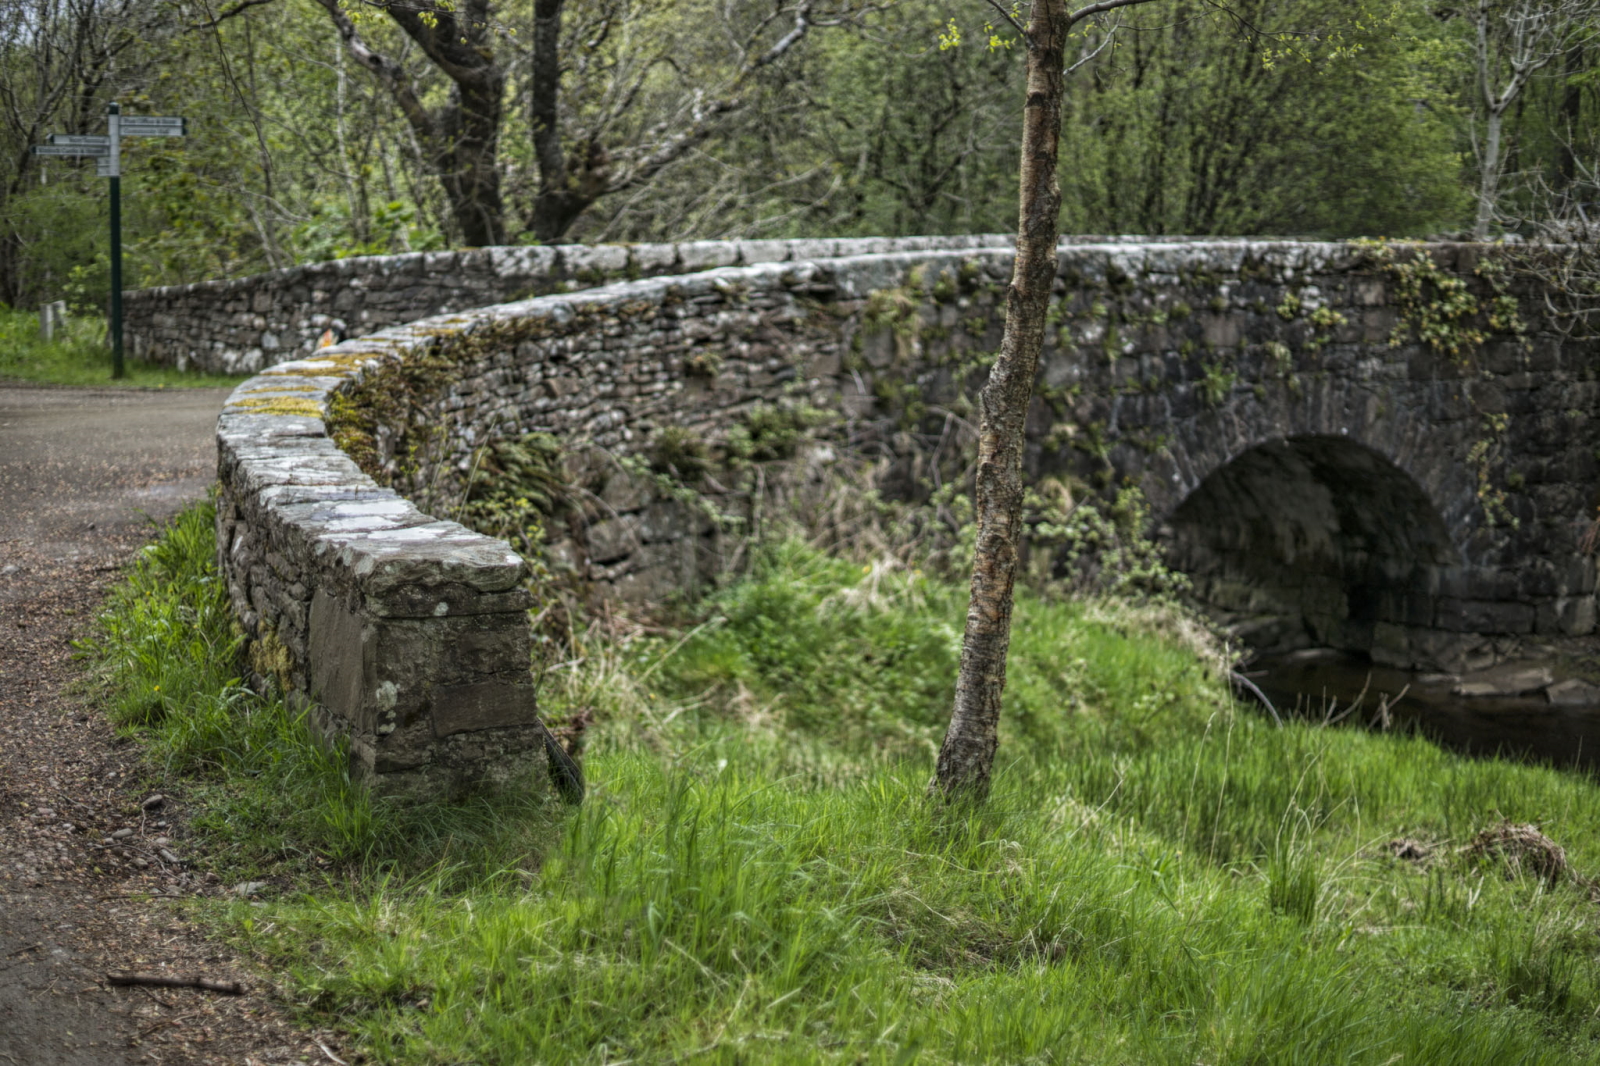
227	13
1101	47
1019	27
1100	8
387	71
704	116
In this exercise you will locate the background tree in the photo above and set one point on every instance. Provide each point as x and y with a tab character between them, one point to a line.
966	757
1513	41
460	135
668	126
1203	120
586	152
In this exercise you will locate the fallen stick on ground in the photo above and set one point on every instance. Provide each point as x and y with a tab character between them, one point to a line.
231	988
329	1053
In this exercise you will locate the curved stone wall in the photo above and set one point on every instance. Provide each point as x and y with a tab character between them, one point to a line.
1167	363
408	635
246	324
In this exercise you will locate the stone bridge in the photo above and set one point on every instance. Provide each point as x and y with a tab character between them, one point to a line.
1324	475
1378	448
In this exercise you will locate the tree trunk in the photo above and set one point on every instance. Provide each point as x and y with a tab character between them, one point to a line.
1489	184
1571	121
562	196
467	159
966	759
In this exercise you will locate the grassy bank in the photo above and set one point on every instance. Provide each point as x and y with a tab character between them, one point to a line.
757	876
79	355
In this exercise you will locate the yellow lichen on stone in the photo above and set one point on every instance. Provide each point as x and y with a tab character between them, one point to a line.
279	405
289	386
325	366
269	658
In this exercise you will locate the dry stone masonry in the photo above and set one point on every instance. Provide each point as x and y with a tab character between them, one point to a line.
1325	477
247	324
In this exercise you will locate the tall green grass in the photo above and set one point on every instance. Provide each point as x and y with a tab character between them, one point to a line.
80	355
758	875
166	663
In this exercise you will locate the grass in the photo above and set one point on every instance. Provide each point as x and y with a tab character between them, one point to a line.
757	875
80	356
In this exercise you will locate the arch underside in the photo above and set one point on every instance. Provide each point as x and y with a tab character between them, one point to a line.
1314	541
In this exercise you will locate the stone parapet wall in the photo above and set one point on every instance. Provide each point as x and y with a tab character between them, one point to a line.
246	324
1428	508
408	635
1165	363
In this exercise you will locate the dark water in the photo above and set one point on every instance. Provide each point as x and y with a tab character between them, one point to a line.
1323	684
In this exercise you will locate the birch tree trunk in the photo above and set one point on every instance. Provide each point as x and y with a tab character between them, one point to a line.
966	759
1489	183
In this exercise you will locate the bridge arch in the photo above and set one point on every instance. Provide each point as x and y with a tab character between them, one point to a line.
1316	539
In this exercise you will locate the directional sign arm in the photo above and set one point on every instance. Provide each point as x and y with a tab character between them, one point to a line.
154	126
74	151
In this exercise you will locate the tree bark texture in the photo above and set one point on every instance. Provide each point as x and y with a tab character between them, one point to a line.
567	186
966	759
461	137
458	38
1489	182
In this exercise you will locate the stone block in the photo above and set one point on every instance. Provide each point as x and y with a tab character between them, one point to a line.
613	539
752	252
339	675
653	259
704	255
878	347
1576	615
482	705
602	259
1483	616
1573	693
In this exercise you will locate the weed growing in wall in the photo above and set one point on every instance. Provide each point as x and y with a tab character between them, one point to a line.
514	485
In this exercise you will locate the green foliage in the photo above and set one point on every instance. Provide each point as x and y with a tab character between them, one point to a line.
1099	547
165	662
332	233
679	454
1436	305
1216	383
771	431
514	484
79	355
1204	121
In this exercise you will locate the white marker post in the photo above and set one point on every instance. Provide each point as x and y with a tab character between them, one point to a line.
107	152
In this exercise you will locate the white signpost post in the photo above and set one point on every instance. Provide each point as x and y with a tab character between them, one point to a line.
106	150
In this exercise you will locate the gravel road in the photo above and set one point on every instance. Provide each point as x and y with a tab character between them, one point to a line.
84	474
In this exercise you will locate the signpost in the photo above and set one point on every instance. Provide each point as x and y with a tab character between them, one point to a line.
106	151
60	149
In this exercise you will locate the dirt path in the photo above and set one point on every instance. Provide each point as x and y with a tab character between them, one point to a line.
83	473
